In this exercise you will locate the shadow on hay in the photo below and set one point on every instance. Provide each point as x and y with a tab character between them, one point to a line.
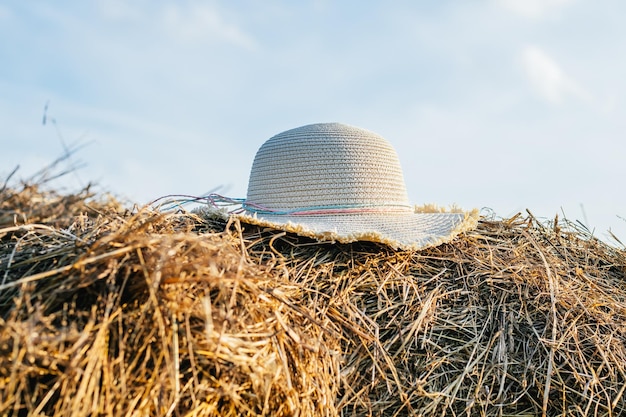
111	311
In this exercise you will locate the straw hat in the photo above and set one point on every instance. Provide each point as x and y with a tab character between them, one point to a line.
339	183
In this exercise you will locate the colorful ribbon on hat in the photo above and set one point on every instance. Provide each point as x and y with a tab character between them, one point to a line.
327	209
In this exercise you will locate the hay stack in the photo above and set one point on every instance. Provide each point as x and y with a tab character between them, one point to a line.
105	311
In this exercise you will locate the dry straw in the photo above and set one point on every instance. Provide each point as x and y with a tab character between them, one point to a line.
104	311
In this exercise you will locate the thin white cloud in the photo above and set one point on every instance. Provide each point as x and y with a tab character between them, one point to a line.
119	9
189	22
200	22
5	13
534	9
547	77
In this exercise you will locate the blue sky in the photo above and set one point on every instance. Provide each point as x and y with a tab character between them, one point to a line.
506	104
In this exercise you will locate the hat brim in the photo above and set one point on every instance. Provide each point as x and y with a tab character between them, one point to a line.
426	227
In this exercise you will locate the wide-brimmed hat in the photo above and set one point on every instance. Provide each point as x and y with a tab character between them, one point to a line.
339	183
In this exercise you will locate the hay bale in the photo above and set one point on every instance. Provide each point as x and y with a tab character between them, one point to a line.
111	312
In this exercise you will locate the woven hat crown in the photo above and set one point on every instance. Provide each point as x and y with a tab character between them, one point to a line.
326	164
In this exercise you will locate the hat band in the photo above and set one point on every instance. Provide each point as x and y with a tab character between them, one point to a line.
217	201
328	209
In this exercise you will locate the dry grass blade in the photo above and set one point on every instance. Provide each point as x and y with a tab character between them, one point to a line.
108	312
